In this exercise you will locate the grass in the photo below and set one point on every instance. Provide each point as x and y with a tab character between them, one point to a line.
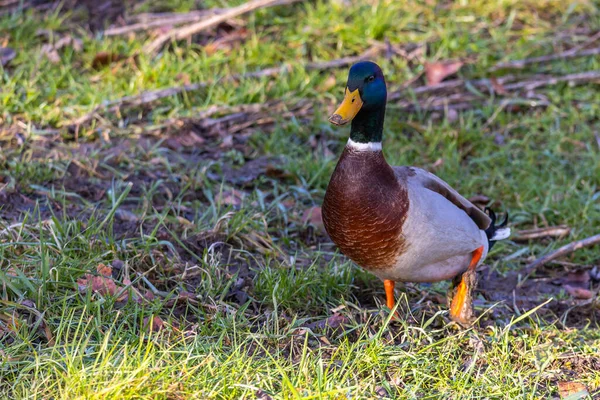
210	240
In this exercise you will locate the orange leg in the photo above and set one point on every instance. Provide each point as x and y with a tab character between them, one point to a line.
463	292
389	293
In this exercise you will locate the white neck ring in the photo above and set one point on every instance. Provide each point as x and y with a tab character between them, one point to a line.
371	146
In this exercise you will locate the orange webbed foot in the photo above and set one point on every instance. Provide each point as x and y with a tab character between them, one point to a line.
461	307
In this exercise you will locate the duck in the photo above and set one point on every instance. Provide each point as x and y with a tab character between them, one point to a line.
401	223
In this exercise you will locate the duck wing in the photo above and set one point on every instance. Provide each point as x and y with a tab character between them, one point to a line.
431	182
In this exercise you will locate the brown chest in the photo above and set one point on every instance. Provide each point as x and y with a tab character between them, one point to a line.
365	208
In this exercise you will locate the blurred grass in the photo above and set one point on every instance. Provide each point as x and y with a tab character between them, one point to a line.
542	165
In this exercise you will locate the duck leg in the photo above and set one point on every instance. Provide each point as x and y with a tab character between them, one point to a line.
461	307
389	293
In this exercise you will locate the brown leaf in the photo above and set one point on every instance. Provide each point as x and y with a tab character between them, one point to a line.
183	78
6	55
329	83
579	292
580	277
227	142
314	217
104	270
332	322
261	395
497	86
154	324
438	71
231	197
51	50
572	390
101	285
187	139
276	173
105	58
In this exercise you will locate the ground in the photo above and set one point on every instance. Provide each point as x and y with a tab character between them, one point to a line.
174	248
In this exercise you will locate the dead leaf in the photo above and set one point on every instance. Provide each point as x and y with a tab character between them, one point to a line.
332	322
580	277
102	285
6	55
51	50
183	78
105	58
227	142
261	395
438	71
104	270
577	284
314	217
187	139
276	173
154	324
329	83
126	216
380	391
226	42
579	292
497	86
572	390
231	197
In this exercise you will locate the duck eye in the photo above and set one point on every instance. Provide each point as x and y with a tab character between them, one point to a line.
371	78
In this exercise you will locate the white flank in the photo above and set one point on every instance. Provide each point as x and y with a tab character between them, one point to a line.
371	146
501	233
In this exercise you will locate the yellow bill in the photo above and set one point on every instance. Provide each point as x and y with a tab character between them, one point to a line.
348	109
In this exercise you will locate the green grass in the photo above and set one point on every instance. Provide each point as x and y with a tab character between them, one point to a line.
244	285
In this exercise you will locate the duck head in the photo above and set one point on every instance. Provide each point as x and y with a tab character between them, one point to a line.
364	103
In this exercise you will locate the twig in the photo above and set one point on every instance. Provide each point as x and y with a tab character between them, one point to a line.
187	31
553	231
172	19
575	52
567	249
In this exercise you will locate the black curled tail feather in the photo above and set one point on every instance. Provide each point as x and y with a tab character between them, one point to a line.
491	231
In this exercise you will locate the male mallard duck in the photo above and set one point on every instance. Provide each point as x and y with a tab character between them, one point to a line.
403	224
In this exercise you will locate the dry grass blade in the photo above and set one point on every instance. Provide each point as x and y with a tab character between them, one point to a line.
187	31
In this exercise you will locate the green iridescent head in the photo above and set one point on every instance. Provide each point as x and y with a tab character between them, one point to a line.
364	103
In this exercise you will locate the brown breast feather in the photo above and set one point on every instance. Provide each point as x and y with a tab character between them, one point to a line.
364	209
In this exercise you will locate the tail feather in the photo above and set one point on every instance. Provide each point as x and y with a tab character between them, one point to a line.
496	232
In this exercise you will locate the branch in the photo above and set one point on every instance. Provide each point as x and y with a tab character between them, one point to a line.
171	19
567	249
190	30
